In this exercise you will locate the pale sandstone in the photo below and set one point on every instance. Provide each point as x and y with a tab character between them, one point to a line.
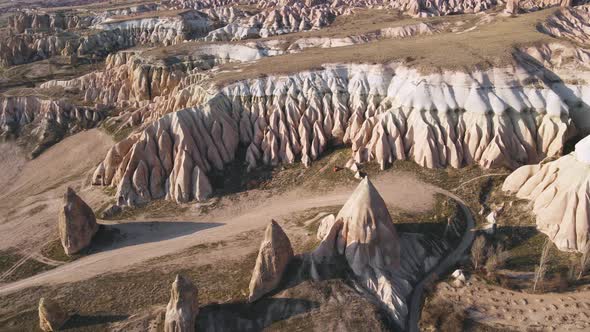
273	257
76	223
51	316
183	307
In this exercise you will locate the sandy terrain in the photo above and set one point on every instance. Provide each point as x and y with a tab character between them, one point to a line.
147	239
32	190
500	307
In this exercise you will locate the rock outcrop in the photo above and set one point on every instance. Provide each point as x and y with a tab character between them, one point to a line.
161	27
369	241
46	38
273	257
51	316
384	263
76	223
512	7
183	307
559	191
570	23
276	21
385	113
22	21
45	121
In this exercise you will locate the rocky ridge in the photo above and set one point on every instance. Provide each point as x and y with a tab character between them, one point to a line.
76	223
570	23
44	121
273	257
385	113
51	316
183	306
105	36
559	191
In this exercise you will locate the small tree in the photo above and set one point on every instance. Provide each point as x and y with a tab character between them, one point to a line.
541	269
497	257
478	251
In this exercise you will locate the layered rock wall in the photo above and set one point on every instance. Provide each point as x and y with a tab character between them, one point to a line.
166	30
46	121
560	194
22	21
384	113
570	23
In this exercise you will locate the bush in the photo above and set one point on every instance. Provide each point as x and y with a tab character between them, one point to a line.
442	315
478	251
497	258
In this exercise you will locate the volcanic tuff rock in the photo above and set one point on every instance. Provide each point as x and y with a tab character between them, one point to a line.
325	226
51	316
512	7
384	263
22	21
108	36
275	21
162	28
371	245
571	23
273	257
560	195
46	121
384	112
183	307
76	223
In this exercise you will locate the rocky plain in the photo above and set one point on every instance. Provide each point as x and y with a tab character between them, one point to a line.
295	165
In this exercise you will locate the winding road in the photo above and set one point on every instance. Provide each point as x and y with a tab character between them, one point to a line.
148	239
443	266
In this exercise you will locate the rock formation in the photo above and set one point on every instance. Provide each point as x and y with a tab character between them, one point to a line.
571	23
276	21
76	223
40	36
371	245
183	307
162	27
512	7
326	225
273	257
385	113
22	21
560	194
46	121
51	316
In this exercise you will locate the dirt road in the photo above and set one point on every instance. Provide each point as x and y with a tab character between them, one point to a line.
153	238
442	267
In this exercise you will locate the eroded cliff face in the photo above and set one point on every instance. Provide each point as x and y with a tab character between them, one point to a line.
133	78
45	121
22	21
570	23
277	21
167	28
47	39
559	191
385	113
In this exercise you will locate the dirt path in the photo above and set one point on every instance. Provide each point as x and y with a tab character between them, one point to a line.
401	190
32	189
477	178
447	263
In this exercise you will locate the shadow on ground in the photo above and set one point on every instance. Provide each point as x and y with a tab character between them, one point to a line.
82	321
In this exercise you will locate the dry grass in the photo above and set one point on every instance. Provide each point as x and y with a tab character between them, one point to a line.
488	45
152	14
